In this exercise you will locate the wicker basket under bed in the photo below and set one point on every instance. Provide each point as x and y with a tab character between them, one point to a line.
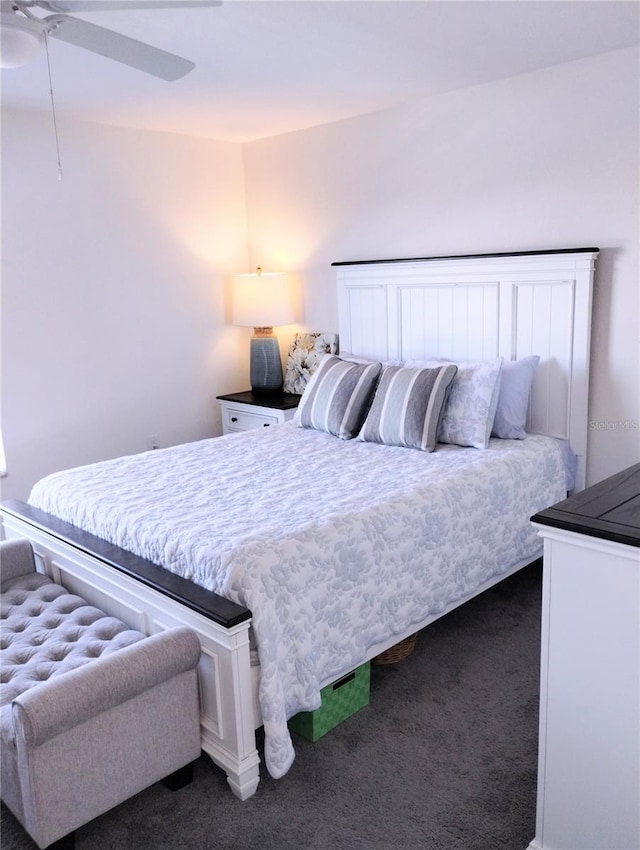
398	652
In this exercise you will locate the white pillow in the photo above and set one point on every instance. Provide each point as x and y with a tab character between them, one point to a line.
513	401
357	358
469	412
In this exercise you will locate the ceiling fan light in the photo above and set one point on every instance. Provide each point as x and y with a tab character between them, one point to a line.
20	40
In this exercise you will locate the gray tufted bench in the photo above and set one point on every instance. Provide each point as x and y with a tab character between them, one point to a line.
92	712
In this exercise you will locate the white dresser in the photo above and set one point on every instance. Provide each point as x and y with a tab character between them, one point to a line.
247	410
589	750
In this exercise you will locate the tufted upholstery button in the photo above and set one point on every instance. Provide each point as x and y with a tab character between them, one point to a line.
92	651
58	654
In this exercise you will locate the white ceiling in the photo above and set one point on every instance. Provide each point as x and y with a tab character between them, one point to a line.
265	67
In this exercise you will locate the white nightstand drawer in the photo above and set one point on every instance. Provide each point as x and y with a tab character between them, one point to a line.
247	411
235	419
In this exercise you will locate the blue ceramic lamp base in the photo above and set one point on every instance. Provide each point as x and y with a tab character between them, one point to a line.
265	364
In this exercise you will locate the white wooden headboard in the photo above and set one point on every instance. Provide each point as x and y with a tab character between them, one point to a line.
477	308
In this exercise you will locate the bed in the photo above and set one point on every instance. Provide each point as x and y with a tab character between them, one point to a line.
296	570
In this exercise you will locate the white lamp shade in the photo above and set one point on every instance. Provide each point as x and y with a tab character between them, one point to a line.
261	300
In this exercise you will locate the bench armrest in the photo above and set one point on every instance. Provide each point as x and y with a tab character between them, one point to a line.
71	698
16	559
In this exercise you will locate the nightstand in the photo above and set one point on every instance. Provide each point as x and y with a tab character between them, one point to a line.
247	410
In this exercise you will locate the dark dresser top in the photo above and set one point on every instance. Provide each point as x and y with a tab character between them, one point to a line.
609	509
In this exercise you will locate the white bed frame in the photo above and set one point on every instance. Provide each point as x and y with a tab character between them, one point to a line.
465	308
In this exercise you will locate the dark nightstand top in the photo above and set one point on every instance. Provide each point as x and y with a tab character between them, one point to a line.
609	510
278	401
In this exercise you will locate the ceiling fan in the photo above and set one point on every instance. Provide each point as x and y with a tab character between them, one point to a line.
22	33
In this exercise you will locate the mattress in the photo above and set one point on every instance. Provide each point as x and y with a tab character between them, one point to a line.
333	545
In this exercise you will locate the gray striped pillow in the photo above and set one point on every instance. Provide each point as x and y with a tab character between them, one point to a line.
407	405
338	396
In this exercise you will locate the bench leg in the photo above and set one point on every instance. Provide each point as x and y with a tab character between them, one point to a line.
179	778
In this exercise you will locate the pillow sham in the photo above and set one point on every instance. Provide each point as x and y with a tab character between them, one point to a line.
516	379
467	418
406	407
357	358
337	397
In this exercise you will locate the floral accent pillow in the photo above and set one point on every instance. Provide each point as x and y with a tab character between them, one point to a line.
467	418
305	353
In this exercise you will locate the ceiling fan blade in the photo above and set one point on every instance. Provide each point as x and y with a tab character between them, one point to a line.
118	5
119	47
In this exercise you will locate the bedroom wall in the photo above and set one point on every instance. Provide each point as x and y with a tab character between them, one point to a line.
543	160
113	291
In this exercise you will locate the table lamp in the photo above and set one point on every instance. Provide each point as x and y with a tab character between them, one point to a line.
260	301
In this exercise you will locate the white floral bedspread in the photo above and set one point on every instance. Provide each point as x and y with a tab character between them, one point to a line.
334	545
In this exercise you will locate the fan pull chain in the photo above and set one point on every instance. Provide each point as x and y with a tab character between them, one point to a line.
53	106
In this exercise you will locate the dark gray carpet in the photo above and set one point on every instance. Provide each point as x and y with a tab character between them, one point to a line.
443	758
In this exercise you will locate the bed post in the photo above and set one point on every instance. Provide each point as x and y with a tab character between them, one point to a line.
227	708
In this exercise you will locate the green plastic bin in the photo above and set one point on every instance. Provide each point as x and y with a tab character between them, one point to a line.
340	700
